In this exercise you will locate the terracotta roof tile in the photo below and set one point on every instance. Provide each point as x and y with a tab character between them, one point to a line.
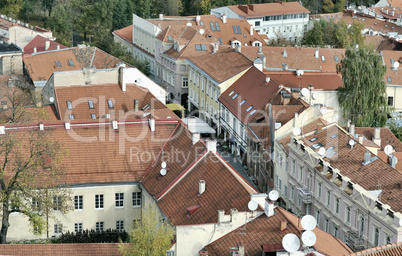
266	231
39	43
125	33
394	249
387	137
392	76
225	190
261	10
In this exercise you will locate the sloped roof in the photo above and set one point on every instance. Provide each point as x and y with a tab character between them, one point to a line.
225	190
395	76
261	10
99	94
222	65
39	42
266	231
125	33
9	48
251	87
387	137
394	249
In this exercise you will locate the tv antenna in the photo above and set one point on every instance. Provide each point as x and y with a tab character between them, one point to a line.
291	242
273	195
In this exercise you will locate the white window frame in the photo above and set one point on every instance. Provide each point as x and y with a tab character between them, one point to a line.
184	82
120	225
58	228
78	203
99	226
135	198
99	202
119	200
78	227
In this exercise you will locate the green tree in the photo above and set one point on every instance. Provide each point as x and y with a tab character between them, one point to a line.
11	7
363	97
314	36
120	18
150	236
396	128
328	6
61	25
30	168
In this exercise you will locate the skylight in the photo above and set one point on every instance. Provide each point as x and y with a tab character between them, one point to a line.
91	104
212	26
69	105
389	79
386	25
235	96
220	41
242	102
336	59
201	23
316	146
110	103
58	63
252	112
249	108
170	38
236	29
217	26
93	116
323	58
230	94
71	117
71	63
334	136
200	47
375	23
313	139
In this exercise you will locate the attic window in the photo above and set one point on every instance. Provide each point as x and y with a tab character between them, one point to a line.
217	26
220	41
231	93
110	103
242	102
386	25
200	47
212	26
71	63
249	108
336	59
201	23
252	112
313	139
389	79
323	58
71	117
236	29
334	136
235	96
93	116
69	105
58	63
316	146
91	104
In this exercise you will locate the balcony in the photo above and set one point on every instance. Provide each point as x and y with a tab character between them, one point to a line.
305	195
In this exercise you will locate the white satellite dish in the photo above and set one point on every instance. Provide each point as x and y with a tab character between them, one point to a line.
202	31
352	143
323	110
273	195
296	131
188	24
388	149
321	151
308	222
309	238
252	205
51	99
163	164
314	95
400	222
138	80
291	243
304	92
163	171
330	153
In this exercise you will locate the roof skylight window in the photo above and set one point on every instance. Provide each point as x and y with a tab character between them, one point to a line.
235	96
212	26
313	139
252	112
91	104
316	146
71	117
110	103
323	58
389	79
249	108
217	26
242	102
71	63
93	116
201	23
231	93
386	25
334	136
220	41
58	63
336	59
69	105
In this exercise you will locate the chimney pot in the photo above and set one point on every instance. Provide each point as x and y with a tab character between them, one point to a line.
2	129
352	129
377	136
161	16
360	139
224	19
201	187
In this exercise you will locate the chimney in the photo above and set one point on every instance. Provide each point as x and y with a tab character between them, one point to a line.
224	19
191	124
377	137
160	16
195	137
47	45
2	129
201	187
135	104
352	129
34	50
41	127
284	225
211	145
115	125
151	121
284	53
264	61
67	126
251	30
267	79
58	47
367	157
238	48
216	47
122	81
258	63
316	53
240	247
360	139
269	208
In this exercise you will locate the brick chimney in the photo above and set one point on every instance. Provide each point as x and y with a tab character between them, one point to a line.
47	45
377	138
201	187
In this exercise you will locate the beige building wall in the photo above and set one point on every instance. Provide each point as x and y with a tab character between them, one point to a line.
124	43
11	64
21	36
395	91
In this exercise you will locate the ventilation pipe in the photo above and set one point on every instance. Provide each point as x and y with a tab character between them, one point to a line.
211	145
152	123
201	187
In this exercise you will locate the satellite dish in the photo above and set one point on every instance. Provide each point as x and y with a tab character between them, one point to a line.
321	151
291	243
273	195
309	238
138	80
304	92
163	172
296	131
388	149
330	153
323	110
352	143
314	95
188	24
395	65
400	222
163	165
252	205
202	31
51	99
308	222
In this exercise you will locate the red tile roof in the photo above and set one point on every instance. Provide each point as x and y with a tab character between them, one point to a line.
266	231
39	43
394	249
125	33
222	65
392	76
387	137
225	190
84	249
261	10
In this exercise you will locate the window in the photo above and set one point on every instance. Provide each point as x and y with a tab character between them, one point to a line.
58	63
389	79
119	200
390	101
36	203
78	202
387	240
292	190
57	203
99	226
69	105
202	103
318	217
211	24
253	112
326	224
319	189
328	198
184	82
348	214
249	108
235	96
200	47
120	225
91	104
70	63
337	205
276	180
257	23
280	184
336	229
71	117
294	167
58	228
203	84
217	26
93	116
78	227
98	201
110	103
136	199
301	175
361	229
376	236
285	191
170	253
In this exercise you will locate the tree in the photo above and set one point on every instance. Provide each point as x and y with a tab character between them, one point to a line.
120	18
60	24
11	7
150	236
363	97
314	36
30	167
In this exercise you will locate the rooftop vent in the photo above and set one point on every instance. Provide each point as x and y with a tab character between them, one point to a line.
192	209
152	123
201	187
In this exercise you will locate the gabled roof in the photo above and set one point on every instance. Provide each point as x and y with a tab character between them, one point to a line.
39	42
251	87
99	94
221	65
225	189
6	24
261	10
266	231
394	249
125	33
6	48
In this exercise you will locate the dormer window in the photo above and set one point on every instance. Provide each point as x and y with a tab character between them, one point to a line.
91	104
69	105
71	117
71	63
212	26
217	26
110	103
